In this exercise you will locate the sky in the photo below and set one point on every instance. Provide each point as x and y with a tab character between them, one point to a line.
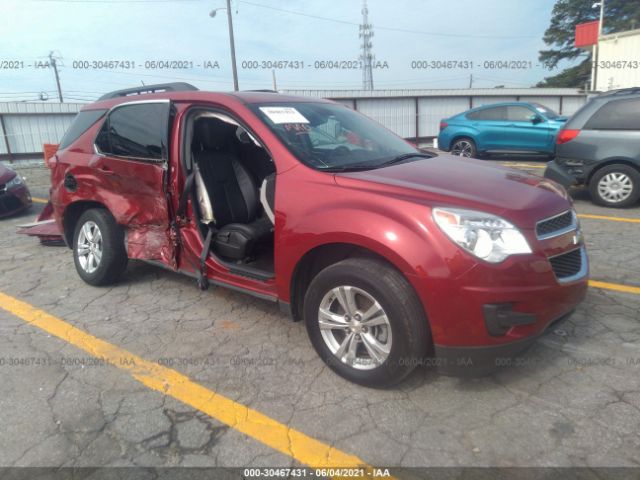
151	33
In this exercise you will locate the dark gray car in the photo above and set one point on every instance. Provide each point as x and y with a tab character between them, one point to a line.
600	147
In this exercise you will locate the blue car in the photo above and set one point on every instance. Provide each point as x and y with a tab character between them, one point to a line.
514	127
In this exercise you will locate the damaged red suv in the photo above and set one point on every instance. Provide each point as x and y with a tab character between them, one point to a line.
392	257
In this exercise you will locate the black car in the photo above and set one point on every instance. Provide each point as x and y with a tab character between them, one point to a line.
600	147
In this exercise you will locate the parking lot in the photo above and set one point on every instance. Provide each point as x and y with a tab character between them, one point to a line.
154	372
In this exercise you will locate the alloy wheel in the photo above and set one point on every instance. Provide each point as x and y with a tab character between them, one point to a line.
462	148
355	327
89	247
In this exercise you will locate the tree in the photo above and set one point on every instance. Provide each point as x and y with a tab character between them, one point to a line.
571	77
619	15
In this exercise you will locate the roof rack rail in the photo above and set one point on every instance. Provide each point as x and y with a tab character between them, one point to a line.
622	91
160	87
262	90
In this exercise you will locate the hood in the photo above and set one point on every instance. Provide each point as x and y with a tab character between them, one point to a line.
447	180
6	174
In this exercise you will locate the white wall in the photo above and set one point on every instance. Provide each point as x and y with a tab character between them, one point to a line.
434	109
397	114
621	47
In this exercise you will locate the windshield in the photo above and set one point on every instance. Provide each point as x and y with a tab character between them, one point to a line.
547	112
328	136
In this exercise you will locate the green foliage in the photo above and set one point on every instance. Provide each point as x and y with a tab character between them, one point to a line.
573	77
619	15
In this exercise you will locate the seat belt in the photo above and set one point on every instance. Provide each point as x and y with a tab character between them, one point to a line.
202	280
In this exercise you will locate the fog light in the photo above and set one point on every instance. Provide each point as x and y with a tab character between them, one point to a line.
500	317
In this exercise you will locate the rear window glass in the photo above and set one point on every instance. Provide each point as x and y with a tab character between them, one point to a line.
135	131
516	113
547	112
79	125
616	115
495	113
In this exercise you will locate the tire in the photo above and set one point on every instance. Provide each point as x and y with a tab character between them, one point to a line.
98	248
616	186
464	147
400	327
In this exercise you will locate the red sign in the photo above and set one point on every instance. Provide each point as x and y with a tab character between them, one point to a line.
587	34
49	150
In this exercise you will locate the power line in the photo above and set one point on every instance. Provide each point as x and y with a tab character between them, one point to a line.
195	79
27	93
391	29
117	1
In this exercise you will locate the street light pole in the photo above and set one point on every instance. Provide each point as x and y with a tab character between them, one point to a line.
595	49
232	42
233	47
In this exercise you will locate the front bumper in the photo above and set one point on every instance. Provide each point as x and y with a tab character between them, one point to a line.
486	311
14	200
477	361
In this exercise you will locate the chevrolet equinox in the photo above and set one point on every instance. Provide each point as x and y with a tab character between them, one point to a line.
392	257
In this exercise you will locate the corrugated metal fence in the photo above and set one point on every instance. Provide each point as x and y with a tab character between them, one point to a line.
25	127
412	114
416	114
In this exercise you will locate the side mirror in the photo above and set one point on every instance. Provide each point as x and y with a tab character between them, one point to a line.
535	118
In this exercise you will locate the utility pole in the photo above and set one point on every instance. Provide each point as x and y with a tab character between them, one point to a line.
52	59
366	34
273	78
471	80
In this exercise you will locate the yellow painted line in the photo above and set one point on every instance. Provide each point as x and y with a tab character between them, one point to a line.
613	219
39	200
614	286
256	425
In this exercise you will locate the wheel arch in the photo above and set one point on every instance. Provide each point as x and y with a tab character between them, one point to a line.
460	136
72	214
320	257
613	161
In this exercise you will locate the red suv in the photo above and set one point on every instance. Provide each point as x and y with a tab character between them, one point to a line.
393	257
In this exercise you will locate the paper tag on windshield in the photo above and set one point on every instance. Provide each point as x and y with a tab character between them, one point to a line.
284	115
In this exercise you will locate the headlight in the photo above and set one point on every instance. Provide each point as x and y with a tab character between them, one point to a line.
486	236
15	182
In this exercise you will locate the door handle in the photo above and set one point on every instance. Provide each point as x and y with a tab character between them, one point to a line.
105	169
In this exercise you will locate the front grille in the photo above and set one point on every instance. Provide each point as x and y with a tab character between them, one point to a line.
555	225
567	264
9	204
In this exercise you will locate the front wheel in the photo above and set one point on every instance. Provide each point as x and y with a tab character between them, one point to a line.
615	186
98	248
366	322
464	147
